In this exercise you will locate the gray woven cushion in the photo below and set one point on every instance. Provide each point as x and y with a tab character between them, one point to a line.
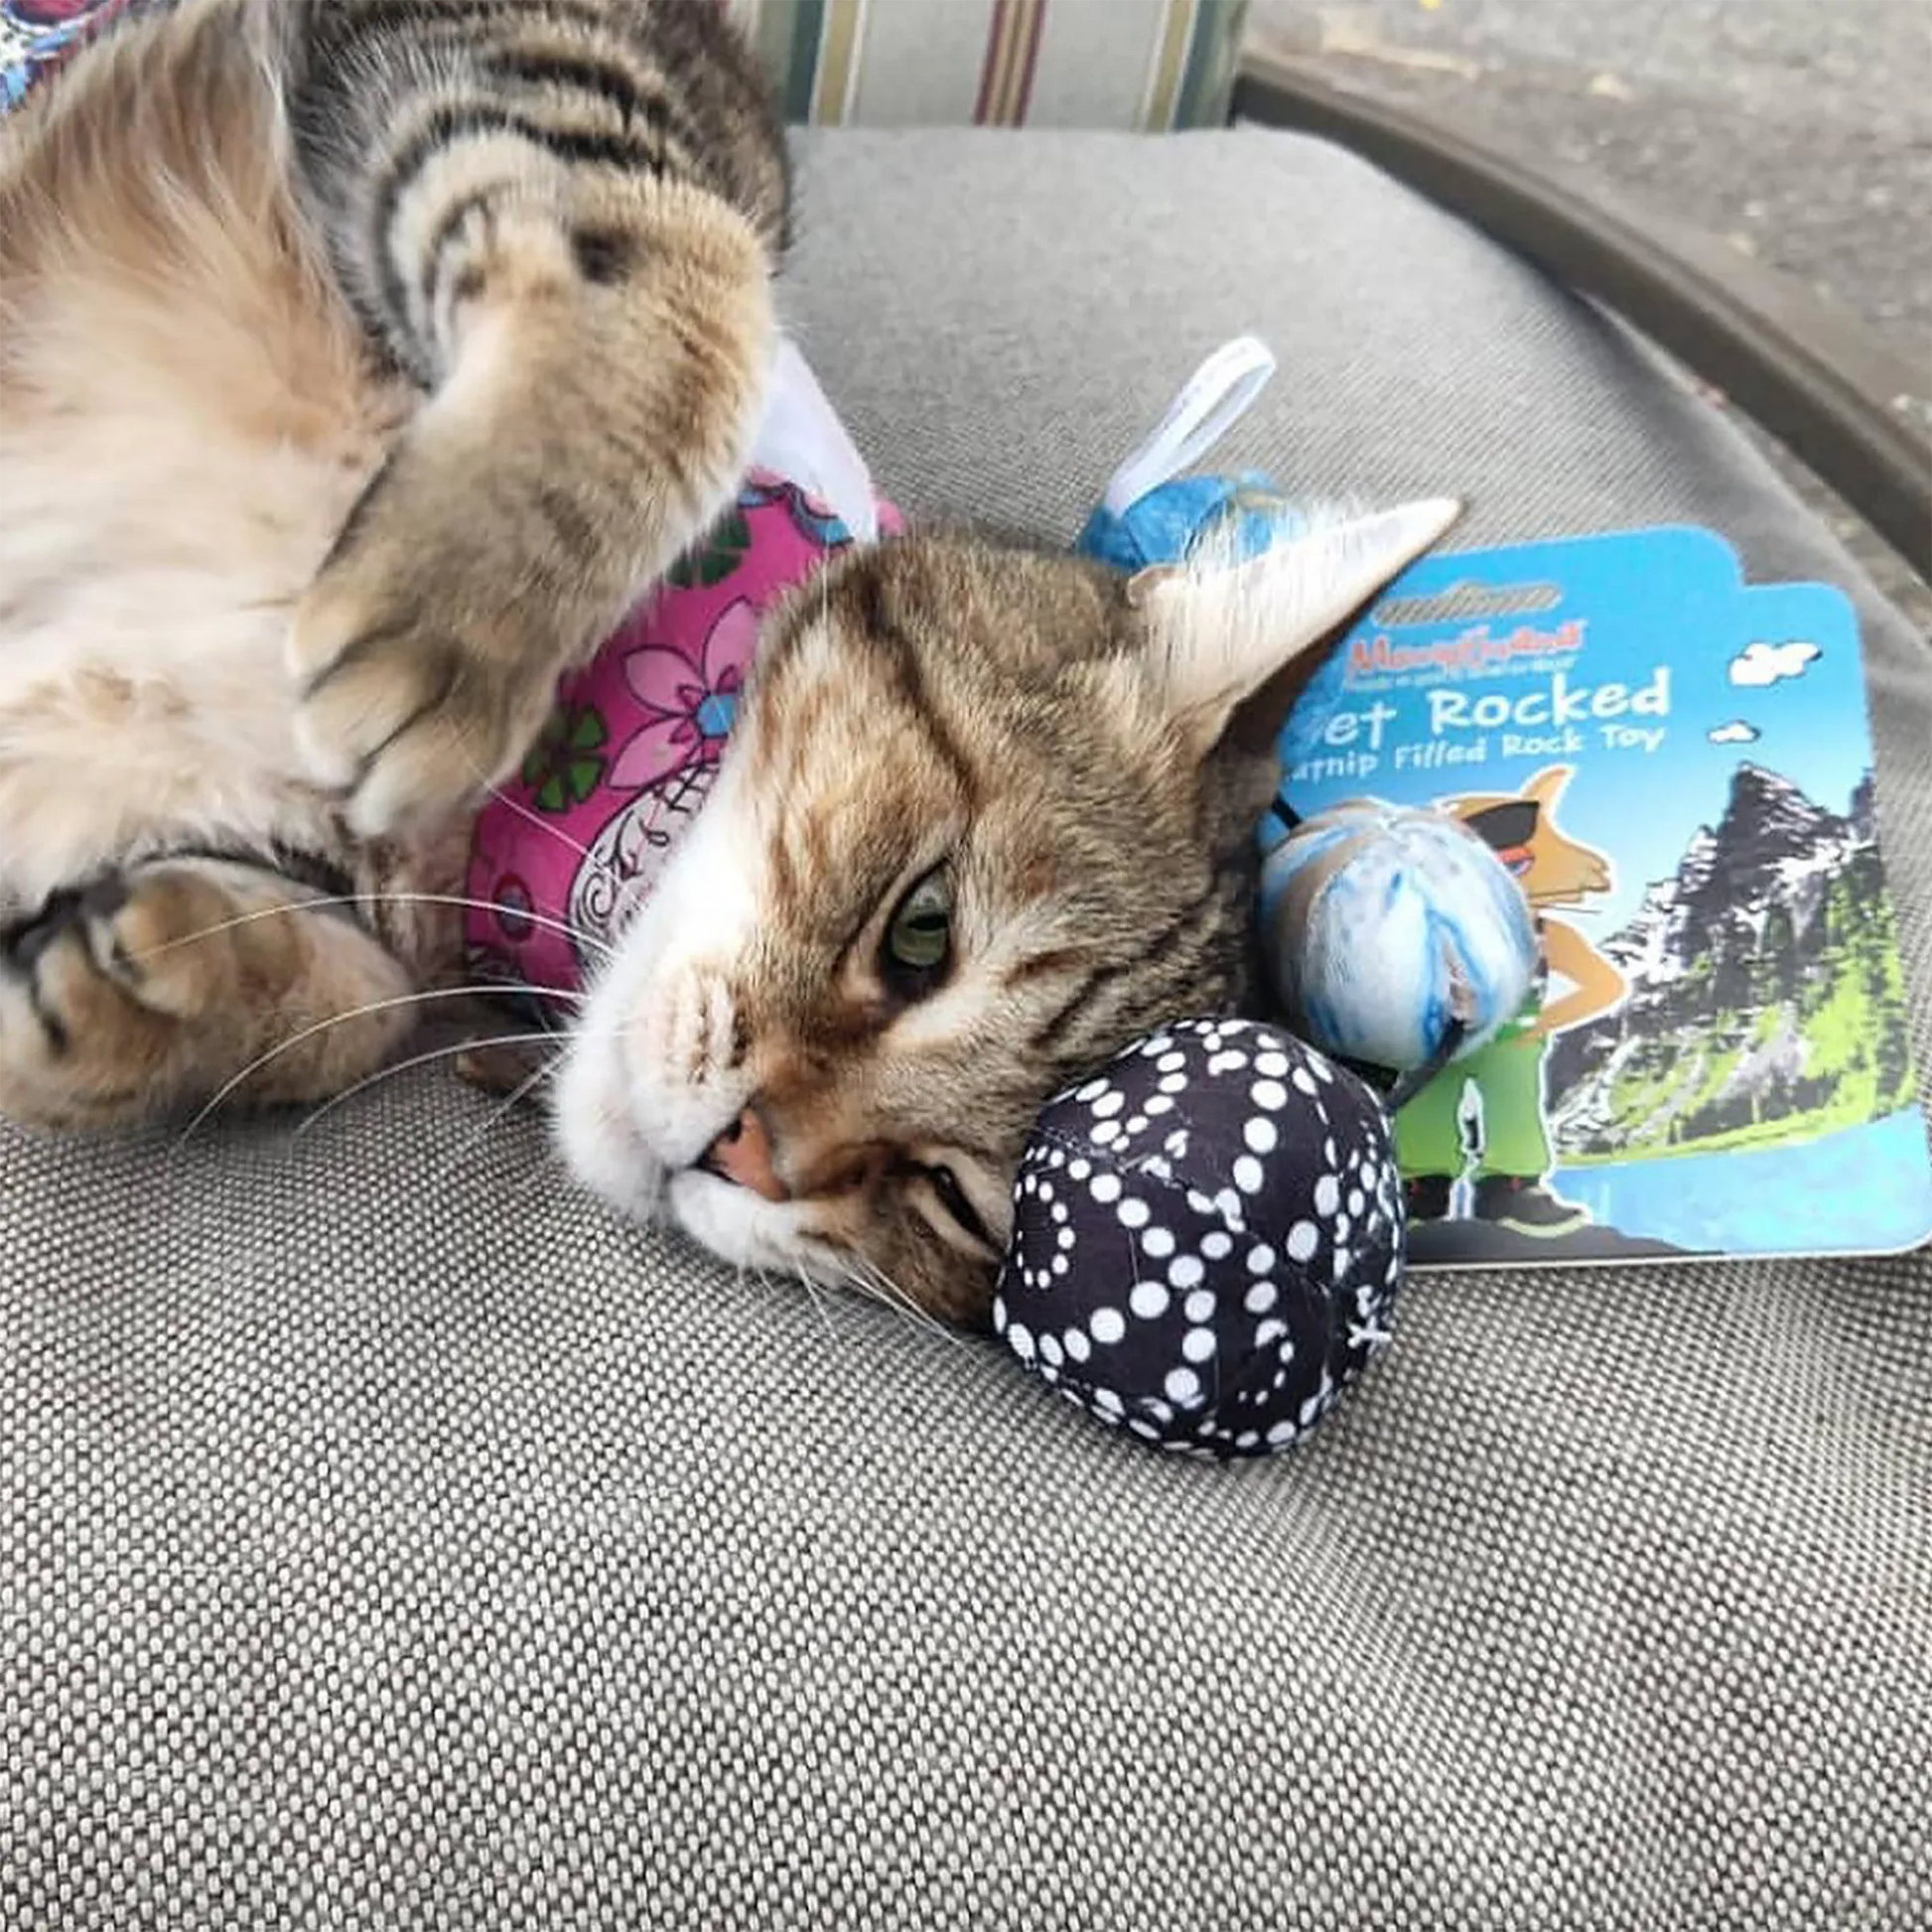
388	1538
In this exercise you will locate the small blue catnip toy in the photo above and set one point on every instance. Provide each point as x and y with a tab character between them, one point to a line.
1208	1236
1394	937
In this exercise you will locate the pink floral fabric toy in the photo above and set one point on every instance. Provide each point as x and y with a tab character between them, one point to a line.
579	835
38	37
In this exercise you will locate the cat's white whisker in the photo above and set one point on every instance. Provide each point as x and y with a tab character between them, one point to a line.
884	1288
501	1112
890	1298
542	824
350	901
602	949
444	1052
865	1291
812	1295
423	996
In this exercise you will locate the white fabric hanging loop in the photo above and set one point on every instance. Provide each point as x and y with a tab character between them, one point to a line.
802	440
1214	397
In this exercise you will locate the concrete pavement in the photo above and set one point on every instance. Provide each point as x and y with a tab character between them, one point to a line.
1800	129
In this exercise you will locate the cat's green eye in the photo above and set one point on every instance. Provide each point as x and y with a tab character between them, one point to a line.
919	938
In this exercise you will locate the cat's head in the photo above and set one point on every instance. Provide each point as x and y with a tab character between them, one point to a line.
985	815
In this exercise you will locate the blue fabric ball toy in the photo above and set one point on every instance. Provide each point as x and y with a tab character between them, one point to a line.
1165	525
1394	937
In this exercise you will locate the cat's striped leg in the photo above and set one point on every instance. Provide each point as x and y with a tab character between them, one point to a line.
538	241
155	989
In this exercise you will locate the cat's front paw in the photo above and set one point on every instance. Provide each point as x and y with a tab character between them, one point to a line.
427	651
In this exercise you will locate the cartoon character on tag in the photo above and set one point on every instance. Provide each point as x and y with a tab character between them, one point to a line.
1486	1113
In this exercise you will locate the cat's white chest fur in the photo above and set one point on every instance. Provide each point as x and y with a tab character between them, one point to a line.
160	516
143	698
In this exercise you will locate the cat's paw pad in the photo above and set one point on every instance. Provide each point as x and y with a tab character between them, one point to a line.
426	655
96	992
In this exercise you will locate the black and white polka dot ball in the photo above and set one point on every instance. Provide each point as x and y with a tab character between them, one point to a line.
1207	1239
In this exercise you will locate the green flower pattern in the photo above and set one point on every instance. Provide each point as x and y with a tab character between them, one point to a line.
566	764
724	550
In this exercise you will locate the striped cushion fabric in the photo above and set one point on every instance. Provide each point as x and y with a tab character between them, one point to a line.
1151	64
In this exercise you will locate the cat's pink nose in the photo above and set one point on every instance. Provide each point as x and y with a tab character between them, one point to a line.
742	1153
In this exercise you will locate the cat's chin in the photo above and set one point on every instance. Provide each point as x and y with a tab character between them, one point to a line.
599	1136
741	1227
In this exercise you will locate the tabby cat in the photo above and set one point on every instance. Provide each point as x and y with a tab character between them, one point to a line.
361	360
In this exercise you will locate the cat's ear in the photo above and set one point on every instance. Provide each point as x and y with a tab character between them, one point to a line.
1216	632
